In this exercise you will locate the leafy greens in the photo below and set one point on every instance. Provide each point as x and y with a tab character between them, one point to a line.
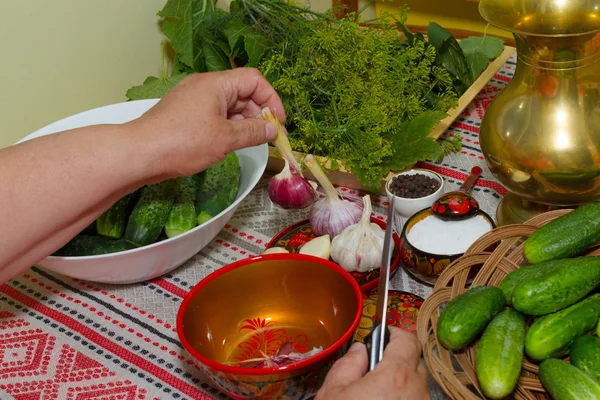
361	95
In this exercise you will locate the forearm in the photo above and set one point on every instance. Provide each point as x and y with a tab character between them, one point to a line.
54	186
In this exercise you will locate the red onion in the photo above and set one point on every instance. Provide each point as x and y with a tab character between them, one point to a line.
288	189
332	214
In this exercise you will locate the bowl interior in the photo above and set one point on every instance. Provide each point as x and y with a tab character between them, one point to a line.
427	212
236	313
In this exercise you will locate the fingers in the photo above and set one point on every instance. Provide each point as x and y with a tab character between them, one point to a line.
347	369
249	86
251	132
404	348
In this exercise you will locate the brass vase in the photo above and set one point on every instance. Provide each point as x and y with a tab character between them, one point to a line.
541	134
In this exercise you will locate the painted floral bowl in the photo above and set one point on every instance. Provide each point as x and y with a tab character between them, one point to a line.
270	326
426	266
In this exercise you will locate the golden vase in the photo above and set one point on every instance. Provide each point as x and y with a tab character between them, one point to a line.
541	134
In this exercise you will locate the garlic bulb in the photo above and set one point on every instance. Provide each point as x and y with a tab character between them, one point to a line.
275	250
360	246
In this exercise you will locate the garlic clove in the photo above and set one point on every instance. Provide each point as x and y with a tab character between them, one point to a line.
275	250
318	247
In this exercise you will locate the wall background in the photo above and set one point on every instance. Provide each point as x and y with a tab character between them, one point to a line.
62	57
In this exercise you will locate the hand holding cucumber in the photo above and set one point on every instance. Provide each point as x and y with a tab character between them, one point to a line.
61	183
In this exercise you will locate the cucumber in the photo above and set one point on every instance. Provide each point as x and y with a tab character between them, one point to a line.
568	282
85	245
566	236
150	213
465	316
113	221
511	280
565	382
585	355
182	216
499	354
551	335
218	187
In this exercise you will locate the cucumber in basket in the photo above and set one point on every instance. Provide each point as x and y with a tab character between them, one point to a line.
566	236
585	355
499	354
565	382
182	216
218	187
150	213
467	315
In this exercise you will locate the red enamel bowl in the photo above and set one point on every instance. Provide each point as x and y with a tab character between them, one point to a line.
247	310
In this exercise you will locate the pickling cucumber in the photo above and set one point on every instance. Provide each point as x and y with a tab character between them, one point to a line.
566	236
465	316
566	382
218	187
85	245
585	355
551	335
113	221
150	213
499	354
517	276
569	281
182	216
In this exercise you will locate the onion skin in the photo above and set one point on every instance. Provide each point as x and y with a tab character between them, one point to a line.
291	191
288	189
332	214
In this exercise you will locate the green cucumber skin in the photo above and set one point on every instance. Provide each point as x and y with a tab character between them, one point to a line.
585	355
517	276
551	335
499	354
568	282
566	236
182	216
113	221
218	187
85	245
150	214
565	382
465	316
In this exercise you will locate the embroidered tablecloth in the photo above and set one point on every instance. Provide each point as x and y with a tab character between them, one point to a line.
63	338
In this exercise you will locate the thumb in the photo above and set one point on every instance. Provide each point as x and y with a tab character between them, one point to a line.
347	369
252	132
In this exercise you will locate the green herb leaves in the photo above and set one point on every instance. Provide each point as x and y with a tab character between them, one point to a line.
154	88
491	47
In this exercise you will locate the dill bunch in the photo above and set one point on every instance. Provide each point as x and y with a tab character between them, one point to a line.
360	95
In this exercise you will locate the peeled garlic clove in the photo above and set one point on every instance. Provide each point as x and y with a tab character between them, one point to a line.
275	250
318	247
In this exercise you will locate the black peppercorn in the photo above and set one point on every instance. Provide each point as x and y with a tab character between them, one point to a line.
413	186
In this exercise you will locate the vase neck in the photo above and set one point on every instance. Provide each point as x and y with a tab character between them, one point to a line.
558	53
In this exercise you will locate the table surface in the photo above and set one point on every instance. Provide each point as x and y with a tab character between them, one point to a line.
63	338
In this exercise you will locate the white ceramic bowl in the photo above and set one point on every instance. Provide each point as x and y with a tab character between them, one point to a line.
405	207
147	262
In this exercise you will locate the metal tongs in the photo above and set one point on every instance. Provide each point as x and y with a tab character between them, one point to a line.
378	339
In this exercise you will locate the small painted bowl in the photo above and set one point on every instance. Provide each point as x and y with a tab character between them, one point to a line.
254	307
427	266
402	312
406	207
295	236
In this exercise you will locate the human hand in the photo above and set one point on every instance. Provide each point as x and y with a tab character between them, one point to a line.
400	375
207	116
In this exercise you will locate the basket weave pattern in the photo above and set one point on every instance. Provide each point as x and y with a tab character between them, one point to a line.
455	371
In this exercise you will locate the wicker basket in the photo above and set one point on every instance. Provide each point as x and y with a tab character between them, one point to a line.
455	371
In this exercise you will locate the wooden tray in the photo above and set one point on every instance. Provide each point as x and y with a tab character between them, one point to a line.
344	178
